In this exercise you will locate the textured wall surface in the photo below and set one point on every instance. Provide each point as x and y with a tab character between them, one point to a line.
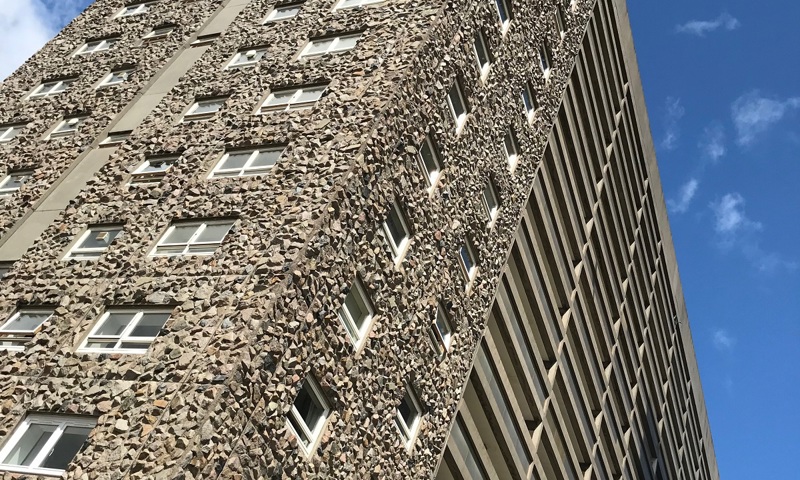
251	321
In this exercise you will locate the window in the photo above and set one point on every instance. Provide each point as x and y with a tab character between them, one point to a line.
321	46
429	159
561	21
511	148
192	238
204	39
441	331
66	127
125	331
5	267
21	327
544	59
529	101
355	3
203	109
283	12
241	163
114	78
96	46
115	138
469	262
8	132
299	98
408	416
246	58
504	12
482	55
152	170
13	182
45	444
397	231
356	313
159	33
491	202
93	242
136	9
458	105
54	87
308	414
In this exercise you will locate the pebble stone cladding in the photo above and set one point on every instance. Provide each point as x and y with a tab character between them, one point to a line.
251	321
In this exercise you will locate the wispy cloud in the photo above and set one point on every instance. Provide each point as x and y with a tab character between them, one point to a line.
723	340
753	114
730	217
685	196
737	232
712	143
701	27
25	25
674	113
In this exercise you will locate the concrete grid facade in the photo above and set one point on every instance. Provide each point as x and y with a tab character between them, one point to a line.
567	351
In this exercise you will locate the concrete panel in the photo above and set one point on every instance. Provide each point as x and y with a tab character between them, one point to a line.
22	238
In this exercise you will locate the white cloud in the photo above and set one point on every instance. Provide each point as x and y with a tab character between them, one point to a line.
739	233
730	218
26	25
701	27
675	112
753	114
685	196
712	143
723	340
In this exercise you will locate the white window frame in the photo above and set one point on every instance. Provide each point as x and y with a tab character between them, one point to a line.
252	56
247	169
134	9
511	149
313	433
358	335
114	74
561	21
114	138
472	271
53	87
10	191
275	14
66	127
62	422
125	335
400	248
433	176
92	253
139	176
441	335
158	33
94	46
332	48
291	104
201	226
408	433
190	116
480	47
460	119
341	4
545	59
504	14
488	198
21	336
529	101
8	132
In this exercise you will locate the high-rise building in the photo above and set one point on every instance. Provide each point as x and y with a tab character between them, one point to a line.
340	239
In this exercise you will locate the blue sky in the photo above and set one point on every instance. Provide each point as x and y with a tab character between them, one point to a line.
724	113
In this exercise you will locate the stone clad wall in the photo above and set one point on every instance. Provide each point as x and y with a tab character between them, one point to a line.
251	321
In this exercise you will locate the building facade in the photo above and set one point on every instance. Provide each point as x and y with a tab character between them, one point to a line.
340	239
